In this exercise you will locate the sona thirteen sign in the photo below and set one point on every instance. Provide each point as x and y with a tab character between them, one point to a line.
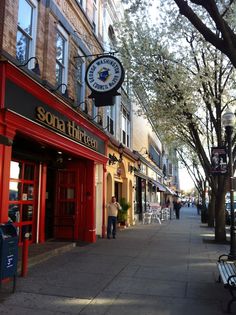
104	76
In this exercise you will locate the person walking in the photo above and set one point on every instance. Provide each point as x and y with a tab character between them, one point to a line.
177	206
112	211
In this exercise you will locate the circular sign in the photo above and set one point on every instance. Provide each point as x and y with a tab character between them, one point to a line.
104	74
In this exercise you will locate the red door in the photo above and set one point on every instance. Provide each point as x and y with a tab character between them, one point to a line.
66	207
22	209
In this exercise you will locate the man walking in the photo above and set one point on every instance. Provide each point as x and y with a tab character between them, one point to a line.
112	211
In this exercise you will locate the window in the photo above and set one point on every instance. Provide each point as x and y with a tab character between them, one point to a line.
110	119
26	30
61	57
155	156
95	17
170	169
79	80
125	127
82	3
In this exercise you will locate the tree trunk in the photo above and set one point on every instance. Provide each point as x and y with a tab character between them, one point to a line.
220	232
211	211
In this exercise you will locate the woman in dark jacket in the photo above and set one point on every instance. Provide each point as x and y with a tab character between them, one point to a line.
177	206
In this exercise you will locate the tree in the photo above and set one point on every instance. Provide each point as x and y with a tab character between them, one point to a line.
184	89
220	14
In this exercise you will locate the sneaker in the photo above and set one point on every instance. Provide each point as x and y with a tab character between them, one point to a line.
114	236
108	237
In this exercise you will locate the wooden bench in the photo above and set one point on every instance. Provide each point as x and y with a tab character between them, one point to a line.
227	274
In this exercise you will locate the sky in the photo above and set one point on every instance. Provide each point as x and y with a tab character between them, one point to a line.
185	180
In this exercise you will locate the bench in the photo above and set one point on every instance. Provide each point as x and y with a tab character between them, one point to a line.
227	274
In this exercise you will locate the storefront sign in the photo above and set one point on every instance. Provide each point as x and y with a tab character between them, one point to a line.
218	161
105	74
104	77
27	105
68	127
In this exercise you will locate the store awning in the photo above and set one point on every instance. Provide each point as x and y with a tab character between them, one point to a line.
159	186
170	191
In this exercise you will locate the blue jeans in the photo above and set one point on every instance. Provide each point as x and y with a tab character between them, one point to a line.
111	225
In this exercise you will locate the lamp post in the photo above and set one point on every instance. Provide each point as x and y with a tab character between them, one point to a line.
228	119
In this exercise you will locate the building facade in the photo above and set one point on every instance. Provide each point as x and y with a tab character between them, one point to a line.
53	147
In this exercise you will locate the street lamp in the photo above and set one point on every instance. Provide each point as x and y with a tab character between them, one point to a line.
228	119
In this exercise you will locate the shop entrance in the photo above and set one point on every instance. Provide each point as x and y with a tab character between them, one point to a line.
50	202
66	204
118	191
22	208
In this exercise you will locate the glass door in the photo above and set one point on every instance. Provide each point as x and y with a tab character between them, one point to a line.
22	197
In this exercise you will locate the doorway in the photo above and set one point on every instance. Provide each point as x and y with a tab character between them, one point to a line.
50	202
118	191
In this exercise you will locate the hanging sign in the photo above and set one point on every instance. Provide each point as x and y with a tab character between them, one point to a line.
104	77
218	160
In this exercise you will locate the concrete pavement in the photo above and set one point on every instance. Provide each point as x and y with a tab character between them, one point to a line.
167	269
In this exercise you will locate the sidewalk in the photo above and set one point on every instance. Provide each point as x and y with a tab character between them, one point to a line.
167	269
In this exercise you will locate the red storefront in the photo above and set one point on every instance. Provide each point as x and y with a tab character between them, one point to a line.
47	176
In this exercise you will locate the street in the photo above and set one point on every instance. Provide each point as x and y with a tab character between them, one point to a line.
167	269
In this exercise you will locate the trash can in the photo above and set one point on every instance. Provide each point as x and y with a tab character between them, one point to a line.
8	251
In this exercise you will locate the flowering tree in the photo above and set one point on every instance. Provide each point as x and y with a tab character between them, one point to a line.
184	84
221	16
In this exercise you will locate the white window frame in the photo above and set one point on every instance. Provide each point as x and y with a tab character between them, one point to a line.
32	45
62	31
83	4
95	16
125	126
82	96
110	116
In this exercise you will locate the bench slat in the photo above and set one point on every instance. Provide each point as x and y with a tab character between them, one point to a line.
226	270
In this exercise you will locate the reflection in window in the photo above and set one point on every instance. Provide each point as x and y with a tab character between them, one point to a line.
24	33
79	74
28	192
60	58
16	170
14	213
27	213
15	191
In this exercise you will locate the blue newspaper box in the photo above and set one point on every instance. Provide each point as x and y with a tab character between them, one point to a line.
8	251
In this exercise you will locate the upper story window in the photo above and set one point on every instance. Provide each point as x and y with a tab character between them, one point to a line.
110	119
79	80
170	169
82	3
95	17
61	57
125	127
26	30
154	155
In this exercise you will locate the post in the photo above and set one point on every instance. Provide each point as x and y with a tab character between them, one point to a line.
25	254
232	254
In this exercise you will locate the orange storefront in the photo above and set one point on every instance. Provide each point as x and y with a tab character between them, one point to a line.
47	175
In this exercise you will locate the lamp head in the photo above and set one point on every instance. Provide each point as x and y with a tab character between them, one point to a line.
228	118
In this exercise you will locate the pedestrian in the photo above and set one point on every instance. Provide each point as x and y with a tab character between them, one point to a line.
112	211
177	206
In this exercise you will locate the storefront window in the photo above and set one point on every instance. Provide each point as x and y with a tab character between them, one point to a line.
27	212
16	170
29	172
14	213
15	191
28	192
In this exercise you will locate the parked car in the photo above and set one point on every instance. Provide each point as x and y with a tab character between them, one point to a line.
227	212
